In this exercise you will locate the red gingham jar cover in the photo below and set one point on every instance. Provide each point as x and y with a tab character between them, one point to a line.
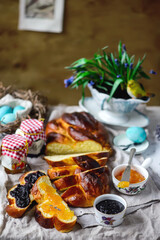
33	130
14	146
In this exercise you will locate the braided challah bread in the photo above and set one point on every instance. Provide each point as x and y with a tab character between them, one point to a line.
75	163
81	189
76	132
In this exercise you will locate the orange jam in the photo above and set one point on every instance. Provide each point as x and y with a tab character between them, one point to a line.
53	203
135	177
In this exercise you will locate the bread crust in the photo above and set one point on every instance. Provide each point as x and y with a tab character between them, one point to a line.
14	209
53	219
53	222
83	188
79	159
75	127
79	166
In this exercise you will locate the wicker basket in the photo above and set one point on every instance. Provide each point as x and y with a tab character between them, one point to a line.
39	106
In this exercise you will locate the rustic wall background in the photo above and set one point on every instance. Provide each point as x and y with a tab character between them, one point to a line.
36	60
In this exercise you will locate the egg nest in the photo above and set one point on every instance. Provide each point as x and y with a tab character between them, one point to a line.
39	106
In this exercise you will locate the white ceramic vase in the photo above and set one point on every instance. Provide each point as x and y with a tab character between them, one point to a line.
117	108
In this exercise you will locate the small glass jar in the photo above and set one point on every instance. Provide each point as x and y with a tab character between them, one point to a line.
14	150
33	131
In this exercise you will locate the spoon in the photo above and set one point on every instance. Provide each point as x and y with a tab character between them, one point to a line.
126	175
125	147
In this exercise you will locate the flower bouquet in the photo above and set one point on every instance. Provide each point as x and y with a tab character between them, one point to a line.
114	74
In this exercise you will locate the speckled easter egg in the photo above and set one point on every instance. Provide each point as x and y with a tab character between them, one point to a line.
136	134
7	118
4	110
18	108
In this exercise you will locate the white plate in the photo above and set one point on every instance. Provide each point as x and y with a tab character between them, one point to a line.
122	139
135	118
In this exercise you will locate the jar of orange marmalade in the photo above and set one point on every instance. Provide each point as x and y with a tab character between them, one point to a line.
14	151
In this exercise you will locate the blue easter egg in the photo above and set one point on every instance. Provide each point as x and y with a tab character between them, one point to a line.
136	134
7	118
4	110
18	108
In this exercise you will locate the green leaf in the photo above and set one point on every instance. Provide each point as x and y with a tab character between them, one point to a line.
123	58
136	68
114	88
81	61
132	58
128	59
144	75
80	76
104	48
120	50
83	91
103	88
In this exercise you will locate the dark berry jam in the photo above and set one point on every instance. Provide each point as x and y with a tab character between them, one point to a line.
32	177
21	192
110	206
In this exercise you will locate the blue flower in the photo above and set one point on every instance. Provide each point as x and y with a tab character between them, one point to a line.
152	72
131	66
124	47
126	65
91	83
116	61
118	76
68	81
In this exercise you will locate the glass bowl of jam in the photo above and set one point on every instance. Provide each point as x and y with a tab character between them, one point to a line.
138	178
109	210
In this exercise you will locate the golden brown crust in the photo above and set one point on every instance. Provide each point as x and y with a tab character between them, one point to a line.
76	197
66	182
50	219
80	159
83	163
24	198
53	222
43	221
84	187
76	127
12	209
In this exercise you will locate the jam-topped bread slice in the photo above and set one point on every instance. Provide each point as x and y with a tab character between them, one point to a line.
19	196
77	132
81	189
51	210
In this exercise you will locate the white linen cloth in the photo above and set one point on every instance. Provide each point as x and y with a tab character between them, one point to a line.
143	211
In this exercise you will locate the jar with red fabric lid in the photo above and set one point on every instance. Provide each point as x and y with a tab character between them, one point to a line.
33	131
14	149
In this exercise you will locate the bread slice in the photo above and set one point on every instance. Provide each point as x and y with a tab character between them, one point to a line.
80	147
83	188
58	172
77	132
19	196
72	159
51	210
